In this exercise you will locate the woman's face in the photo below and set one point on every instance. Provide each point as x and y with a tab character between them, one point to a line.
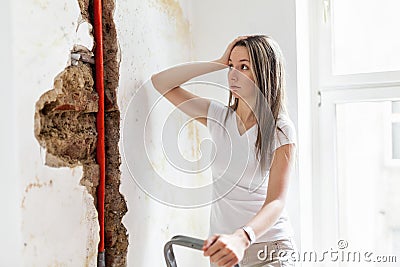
240	75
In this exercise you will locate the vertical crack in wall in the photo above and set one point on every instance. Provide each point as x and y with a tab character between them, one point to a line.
65	125
116	237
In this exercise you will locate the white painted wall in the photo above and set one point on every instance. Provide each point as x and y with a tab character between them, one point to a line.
10	222
154	35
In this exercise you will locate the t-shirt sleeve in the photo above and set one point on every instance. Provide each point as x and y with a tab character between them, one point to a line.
287	135
215	115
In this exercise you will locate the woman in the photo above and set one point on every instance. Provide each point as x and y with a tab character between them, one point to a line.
248	223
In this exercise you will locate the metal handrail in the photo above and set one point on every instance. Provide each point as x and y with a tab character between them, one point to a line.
184	241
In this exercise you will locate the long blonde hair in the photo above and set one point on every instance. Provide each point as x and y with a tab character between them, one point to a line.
268	71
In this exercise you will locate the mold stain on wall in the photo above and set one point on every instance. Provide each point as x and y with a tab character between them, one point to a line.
174	11
36	184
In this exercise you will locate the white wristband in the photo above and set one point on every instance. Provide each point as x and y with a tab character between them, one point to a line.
250	233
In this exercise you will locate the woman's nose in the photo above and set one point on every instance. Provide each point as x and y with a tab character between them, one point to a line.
233	74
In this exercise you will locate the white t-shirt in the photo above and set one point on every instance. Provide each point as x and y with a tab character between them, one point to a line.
239	188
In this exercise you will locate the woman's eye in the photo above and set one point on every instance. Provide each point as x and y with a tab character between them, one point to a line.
244	67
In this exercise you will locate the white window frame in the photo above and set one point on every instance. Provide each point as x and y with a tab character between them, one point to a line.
323	29
388	149
327	90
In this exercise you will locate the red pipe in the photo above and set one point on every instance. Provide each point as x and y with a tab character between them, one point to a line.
100	152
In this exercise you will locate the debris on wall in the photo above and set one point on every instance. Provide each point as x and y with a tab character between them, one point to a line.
65	122
65	125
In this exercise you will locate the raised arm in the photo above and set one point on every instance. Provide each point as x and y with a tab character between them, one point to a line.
178	75
168	83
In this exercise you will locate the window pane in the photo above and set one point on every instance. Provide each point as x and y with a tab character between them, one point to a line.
367	188
365	36
396	107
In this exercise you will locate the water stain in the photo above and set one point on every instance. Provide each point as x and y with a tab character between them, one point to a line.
174	11
35	185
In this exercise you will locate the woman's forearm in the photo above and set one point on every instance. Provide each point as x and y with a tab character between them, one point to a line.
266	217
175	76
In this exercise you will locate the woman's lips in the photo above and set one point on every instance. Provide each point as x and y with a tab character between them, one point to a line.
233	87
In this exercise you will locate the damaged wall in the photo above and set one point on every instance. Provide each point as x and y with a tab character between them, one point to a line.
65	118
116	235
59	220
65	125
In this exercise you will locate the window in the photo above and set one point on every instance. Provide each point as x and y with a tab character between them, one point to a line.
395	131
356	88
364	36
366	186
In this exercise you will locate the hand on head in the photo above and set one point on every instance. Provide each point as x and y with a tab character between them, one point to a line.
225	57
